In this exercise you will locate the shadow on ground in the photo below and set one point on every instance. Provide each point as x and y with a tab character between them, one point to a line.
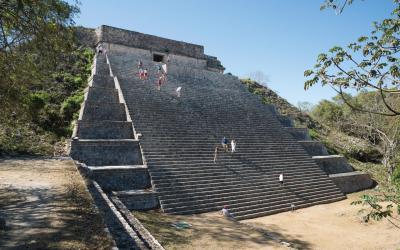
214	231
42	218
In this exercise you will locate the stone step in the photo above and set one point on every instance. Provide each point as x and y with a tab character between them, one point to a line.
103	81
208	183
170	192
97	111
265	163
139	199
220	174
241	207
97	94
105	130
300	134
242	195
266	155
117	178
314	148
333	164
250	214
106	152
210	161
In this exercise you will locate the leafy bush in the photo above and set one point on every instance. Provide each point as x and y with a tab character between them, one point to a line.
396	176
71	105
37	100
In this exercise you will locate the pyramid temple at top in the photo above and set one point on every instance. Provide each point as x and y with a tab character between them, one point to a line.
156	148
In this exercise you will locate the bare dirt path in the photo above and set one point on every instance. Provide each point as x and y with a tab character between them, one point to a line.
207	231
46	206
331	226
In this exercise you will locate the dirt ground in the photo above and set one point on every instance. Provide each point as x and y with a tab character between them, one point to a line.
208	231
337	225
331	226
46	206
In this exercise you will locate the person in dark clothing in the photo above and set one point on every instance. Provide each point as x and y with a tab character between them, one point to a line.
224	143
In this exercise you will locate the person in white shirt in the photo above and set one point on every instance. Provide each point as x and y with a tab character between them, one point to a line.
178	91
281	179
225	212
233	146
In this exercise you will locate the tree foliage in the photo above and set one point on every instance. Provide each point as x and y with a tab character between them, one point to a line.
370	63
34	37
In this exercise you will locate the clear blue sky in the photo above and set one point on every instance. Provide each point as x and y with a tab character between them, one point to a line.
279	37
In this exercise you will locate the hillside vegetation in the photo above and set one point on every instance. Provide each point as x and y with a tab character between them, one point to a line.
40	119
331	123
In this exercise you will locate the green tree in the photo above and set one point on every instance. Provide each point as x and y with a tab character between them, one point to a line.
370	63
369	66
34	37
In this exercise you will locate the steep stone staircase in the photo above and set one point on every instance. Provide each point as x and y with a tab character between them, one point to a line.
104	139
179	135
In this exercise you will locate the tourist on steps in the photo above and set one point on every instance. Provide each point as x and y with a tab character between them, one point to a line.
140	64
281	179
159	82
100	49
233	146
225	212
145	74
215	154
141	74
164	68
224	143
159	70
178	91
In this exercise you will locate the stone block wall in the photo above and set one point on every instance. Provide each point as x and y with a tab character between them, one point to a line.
333	164
148	42
178	60
138	199
117	179
352	181
86	36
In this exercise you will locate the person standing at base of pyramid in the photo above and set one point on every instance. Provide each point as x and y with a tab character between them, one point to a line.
281	179
145	74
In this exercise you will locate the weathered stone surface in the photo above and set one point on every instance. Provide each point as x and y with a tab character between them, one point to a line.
103	81
105	130
285	120
333	164
352	181
98	111
299	133
144	41
314	148
118	178
106	152
102	95
139	199
85	36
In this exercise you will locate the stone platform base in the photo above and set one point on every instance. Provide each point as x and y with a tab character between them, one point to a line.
352	181
138	199
117	178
